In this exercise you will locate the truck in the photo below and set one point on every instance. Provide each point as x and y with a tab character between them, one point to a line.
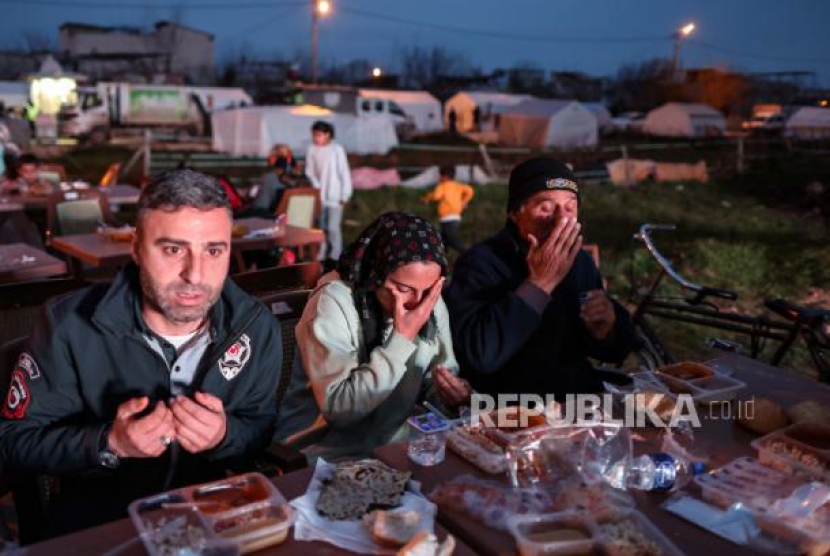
182	111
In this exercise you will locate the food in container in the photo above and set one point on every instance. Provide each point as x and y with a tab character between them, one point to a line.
797	449
686	370
232	516
561	534
634	535
468	442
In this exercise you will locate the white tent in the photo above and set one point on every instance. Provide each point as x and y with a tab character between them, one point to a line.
604	119
422	107
809	122
253	131
14	94
677	119
563	124
488	104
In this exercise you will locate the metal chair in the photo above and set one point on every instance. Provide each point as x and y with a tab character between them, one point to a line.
76	212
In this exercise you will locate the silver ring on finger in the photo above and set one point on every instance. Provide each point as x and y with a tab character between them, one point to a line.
165	440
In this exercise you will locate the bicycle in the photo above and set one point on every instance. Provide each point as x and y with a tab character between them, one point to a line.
790	321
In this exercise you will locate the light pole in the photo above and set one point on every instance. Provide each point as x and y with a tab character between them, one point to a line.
681	33
318	8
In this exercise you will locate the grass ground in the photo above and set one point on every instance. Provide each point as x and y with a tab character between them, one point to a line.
724	239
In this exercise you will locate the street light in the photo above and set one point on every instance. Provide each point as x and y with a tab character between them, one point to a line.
376	72
681	33
318	8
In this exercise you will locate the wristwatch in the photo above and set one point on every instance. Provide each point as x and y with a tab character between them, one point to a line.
106	457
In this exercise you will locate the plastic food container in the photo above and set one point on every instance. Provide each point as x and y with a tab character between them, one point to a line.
562	534
798	449
232	516
512	425
715	388
746	480
687	371
617	537
759	488
470	444
576	533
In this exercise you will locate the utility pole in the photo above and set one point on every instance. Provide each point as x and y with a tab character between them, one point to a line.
681	33
318	8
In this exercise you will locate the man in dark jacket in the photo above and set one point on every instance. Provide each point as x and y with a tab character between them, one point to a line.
527	306
164	378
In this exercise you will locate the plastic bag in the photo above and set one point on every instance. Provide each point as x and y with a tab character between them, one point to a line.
599	452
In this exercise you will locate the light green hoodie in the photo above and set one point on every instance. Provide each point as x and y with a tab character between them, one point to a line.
336	406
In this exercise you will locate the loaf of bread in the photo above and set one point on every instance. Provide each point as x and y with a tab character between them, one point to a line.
767	417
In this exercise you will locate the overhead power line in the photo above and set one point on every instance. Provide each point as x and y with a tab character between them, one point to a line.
147	5
494	34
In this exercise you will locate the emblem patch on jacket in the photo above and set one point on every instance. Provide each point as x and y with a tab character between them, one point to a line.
27	363
18	398
235	358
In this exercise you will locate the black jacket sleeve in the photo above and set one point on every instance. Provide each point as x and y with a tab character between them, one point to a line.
622	338
42	428
252	413
490	321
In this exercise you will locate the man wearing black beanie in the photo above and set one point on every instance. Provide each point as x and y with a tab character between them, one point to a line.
527	306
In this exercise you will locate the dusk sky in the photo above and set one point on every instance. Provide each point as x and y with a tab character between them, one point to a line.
594	36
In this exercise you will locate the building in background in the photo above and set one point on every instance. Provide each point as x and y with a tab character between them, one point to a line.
170	53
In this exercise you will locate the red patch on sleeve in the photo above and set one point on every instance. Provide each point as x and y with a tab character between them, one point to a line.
18	397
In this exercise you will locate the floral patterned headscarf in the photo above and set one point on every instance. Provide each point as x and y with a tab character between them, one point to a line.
393	240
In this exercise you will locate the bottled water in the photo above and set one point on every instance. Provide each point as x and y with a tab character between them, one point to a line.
662	472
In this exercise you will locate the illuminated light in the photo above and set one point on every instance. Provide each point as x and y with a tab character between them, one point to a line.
376	72
323	7
49	93
822	103
687	29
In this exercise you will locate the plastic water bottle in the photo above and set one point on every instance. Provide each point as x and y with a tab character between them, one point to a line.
662	471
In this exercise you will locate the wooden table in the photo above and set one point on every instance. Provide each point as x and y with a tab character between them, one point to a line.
721	440
119	537
98	251
117	195
20	262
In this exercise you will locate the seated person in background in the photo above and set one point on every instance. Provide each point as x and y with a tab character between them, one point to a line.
274	182
163	378
28	181
374	340
527	305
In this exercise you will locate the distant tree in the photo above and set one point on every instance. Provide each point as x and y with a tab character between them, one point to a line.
642	86
421	65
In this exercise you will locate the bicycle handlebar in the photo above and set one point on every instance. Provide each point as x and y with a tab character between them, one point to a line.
644	235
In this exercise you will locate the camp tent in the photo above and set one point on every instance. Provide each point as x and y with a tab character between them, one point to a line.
677	119
489	104
809	122
14	94
253	131
604	119
562	124
422	107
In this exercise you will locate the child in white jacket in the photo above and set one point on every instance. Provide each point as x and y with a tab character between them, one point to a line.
328	169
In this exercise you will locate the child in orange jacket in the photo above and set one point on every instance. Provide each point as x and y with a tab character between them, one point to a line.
452	198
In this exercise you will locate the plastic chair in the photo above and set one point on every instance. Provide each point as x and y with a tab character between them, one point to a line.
301	205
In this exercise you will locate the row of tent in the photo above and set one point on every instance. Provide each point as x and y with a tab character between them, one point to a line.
508	119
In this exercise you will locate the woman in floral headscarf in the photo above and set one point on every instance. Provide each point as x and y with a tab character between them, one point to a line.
374	340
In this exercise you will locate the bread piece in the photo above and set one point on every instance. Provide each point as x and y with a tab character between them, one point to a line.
809	412
767	417
426	544
392	529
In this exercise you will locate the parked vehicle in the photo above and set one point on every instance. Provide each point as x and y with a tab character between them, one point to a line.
180	111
